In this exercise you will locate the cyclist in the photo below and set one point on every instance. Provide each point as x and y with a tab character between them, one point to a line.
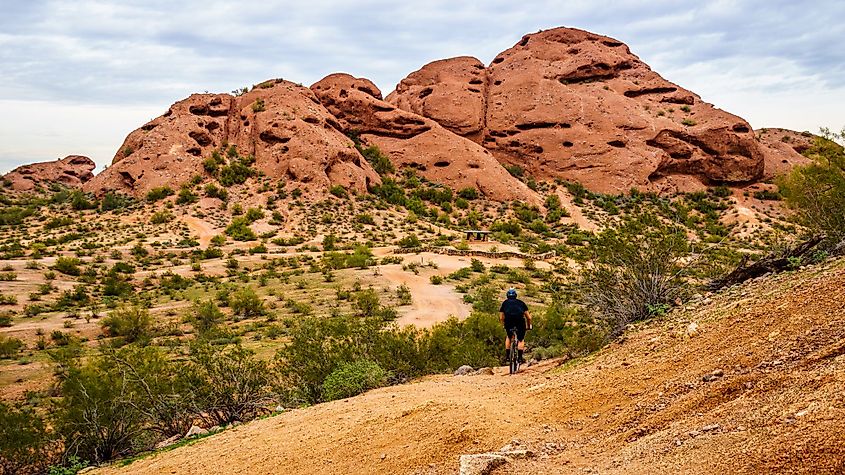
514	314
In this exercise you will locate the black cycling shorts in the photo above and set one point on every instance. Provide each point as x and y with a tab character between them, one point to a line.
520	332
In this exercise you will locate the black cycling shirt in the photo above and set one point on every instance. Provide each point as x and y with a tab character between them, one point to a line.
514	310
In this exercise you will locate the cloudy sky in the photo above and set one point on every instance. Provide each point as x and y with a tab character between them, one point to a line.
77	76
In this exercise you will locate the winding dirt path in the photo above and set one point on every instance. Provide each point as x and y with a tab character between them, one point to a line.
204	230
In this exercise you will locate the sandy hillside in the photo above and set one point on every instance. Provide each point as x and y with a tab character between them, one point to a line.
759	387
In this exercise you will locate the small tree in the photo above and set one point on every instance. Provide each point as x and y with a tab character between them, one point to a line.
246	303
817	191
204	316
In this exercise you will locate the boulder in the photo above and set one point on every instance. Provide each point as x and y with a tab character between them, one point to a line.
72	171
464	370
195	431
480	464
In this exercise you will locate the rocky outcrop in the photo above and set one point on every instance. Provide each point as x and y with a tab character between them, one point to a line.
283	125
72	171
413	141
580	106
782	149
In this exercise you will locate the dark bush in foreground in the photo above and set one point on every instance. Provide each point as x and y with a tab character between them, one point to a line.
350	379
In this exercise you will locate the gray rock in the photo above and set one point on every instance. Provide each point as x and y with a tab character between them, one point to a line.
481	464
279	408
464	370
195	430
483	371
166	442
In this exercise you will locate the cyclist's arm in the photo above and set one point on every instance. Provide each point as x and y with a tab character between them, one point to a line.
502	318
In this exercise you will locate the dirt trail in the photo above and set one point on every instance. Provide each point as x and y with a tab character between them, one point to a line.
204	230
759	387
430	303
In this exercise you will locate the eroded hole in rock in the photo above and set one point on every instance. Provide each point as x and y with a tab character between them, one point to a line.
568	143
127	179
195	151
215	102
537	149
212	126
470	89
498	133
476	81
148	127
514	143
741	128
418	166
612	44
539	125
343	93
474	165
268	137
586	79
425	92
603	66
616	143
573	51
311	120
497	82
524	41
650	90
384	108
197	110
441	164
498	60
246	123
168	113
409	121
200	138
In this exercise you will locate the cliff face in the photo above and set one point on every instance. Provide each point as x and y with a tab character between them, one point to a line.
72	171
572	104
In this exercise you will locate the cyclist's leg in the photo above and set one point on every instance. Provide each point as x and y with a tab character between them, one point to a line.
520	345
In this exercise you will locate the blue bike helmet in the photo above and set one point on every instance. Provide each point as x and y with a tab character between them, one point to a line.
511	293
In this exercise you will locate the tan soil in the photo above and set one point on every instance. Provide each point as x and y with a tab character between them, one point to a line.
638	406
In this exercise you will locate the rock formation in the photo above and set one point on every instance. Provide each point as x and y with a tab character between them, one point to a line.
580	106
782	149
72	171
562	103
283	125
414	141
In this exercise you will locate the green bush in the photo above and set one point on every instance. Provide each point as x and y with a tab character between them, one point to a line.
161	217
9	347
351	379
186	196
159	193
237	172
246	303
27	446
239	230
113	201
68	266
816	192
380	162
409	242
130	322
636	268
204	316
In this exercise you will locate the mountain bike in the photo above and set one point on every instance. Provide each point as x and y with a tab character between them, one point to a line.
513	353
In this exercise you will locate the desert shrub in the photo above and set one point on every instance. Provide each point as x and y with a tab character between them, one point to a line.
515	170
565	330
468	193
476	265
237	172
204	316
258	106
339	191
80	201
159	193
510	227
636	269
485	300
15	215
113	201
239	230
230	385
130	322
351	379
403	293
214	191
409	242
186	196
475	341
436	279
68	266
365	218
97	415
10	346
27	446
380	162
246	303
816	192
161	217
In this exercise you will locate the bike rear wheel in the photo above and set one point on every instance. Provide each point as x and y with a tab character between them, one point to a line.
513	354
